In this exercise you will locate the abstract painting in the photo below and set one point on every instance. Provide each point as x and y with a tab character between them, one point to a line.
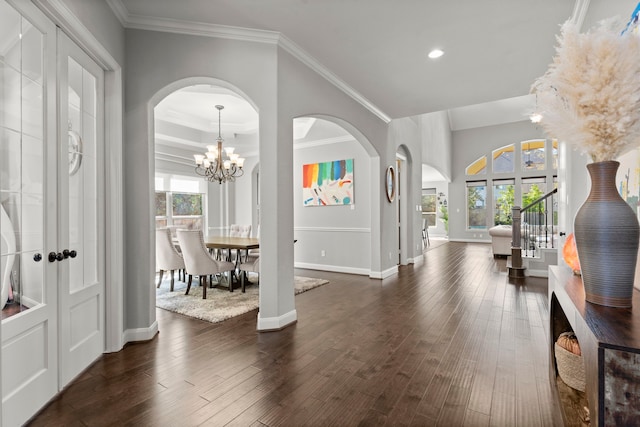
328	183
628	179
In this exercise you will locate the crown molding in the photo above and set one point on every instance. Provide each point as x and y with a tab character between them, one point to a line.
243	34
297	52
119	10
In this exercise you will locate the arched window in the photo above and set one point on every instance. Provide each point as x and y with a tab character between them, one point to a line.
533	155
479	167
504	159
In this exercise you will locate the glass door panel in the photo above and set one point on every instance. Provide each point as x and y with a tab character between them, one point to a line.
21	164
83	191
28	211
81	220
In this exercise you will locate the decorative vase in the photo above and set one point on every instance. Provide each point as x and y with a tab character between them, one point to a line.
607	235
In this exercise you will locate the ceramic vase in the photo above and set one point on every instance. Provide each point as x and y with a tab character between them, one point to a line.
607	236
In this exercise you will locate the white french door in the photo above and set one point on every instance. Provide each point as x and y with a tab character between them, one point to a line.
51	210
28	209
81	218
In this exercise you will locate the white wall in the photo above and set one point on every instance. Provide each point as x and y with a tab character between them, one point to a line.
437	142
342	232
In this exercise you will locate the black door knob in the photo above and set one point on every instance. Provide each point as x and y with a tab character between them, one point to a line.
73	253
52	257
37	257
65	253
59	257
562	233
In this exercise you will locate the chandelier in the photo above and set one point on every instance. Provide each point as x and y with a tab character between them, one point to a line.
212	167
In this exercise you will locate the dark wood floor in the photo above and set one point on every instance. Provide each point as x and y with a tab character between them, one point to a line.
448	341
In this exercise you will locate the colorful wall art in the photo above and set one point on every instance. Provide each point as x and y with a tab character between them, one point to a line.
328	183
628	179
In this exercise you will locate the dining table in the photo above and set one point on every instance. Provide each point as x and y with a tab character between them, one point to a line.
239	244
228	242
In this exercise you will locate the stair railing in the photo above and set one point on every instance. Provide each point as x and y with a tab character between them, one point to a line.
534	227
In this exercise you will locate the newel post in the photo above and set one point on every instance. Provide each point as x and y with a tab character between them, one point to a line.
515	268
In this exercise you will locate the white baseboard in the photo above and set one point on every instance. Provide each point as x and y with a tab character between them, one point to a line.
470	240
266	324
384	274
334	268
536	273
141	334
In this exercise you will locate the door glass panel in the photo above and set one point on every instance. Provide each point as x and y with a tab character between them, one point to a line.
83	197
22	256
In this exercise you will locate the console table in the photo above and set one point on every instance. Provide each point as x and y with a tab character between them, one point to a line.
610	344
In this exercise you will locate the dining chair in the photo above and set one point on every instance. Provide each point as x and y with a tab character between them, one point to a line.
236	230
252	254
252	266
199	262
167	256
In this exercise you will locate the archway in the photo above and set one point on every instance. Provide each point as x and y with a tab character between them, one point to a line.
182	122
406	223
336	236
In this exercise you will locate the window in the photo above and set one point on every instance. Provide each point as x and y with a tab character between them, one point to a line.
503	197
503	159
532	190
479	167
180	202
533	155
429	206
476	204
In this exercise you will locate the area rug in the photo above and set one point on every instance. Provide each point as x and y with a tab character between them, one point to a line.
220	303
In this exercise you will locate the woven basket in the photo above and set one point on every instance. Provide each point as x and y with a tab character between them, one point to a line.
571	368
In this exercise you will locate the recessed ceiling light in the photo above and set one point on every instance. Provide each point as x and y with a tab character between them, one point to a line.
436	53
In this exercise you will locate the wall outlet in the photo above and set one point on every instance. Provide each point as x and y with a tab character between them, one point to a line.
322	253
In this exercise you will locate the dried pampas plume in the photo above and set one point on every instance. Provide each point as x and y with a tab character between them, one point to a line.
590	95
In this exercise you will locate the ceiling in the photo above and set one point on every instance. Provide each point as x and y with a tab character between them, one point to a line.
494	49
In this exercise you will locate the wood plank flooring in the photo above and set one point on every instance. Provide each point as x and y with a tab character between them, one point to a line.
446	342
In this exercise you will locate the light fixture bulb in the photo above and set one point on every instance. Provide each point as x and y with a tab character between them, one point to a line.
436	53
535	117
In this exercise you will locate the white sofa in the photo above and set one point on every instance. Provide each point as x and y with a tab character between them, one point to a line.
500	239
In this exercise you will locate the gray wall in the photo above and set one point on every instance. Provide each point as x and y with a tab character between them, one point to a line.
342	232
280	88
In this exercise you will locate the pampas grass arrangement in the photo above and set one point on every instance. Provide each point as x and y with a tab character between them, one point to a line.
590	95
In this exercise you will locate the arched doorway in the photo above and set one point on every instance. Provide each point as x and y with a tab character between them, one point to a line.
184	121
335	233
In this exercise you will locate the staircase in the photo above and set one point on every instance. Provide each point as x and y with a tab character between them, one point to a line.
535	229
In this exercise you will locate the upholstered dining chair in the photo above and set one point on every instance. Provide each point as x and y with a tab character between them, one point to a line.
199	262
252	266
252	254
167	256
236	230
